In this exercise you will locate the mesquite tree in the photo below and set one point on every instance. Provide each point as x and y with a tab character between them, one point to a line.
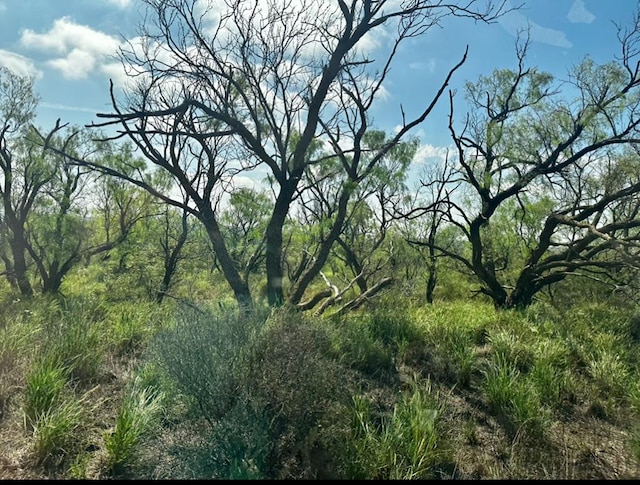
23	174
545	185
228	87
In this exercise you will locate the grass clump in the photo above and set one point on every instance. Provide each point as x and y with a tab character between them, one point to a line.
44	386
514	397
56	430
136	417
52	412
407	444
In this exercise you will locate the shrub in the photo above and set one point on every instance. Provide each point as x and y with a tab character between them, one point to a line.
206	354
302	391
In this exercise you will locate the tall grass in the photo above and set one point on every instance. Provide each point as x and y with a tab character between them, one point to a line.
56	430
136	418
52	411
130	324
408	444
74	336
44	386
18	337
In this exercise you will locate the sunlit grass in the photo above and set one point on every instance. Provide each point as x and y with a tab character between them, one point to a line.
55	431
408	444
137	416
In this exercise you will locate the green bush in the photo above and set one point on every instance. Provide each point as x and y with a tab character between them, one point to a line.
206	355
303	392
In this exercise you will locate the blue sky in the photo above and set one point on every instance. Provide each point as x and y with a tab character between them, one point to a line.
67	45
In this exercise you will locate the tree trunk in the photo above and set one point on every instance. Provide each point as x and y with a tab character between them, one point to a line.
431	282
18	247
273	262
171	260
432	267
239	286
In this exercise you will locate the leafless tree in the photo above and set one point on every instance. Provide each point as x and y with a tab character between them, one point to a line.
561	175
228	87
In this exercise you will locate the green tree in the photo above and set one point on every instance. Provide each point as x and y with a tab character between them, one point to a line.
545	187
257	85
349	220
243	223
79	214
24	173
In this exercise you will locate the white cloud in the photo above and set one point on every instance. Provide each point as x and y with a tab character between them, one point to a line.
116	72
18	64
66	35
516	23
578	13
120	3
429	66
65	107
80	48
76	65
428	152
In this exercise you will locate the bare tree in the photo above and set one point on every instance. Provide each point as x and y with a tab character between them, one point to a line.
422	226
221	92
561	175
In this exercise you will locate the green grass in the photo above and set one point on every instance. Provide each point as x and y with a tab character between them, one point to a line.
53	413
137	417
44	386
55	431
407	444
454	389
